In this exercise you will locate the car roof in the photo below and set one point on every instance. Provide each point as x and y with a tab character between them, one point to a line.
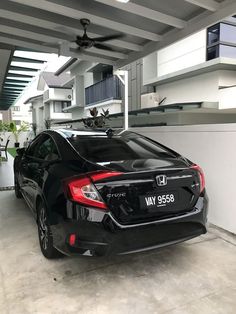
66	133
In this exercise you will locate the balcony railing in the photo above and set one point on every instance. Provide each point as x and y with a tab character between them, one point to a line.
108	89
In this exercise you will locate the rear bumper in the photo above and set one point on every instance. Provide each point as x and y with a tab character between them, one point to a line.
99	234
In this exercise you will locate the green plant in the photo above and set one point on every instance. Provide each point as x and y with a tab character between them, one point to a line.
16	131
4	127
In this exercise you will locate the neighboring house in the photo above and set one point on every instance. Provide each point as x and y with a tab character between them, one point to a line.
201	67
94	85
53	101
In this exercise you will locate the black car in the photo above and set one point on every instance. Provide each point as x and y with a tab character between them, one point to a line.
109	192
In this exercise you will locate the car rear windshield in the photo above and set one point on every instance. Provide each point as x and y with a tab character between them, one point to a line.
105	149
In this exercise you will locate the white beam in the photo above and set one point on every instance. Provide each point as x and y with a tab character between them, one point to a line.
53	41
25	44
227	8
108	53
78	14
145	12
86	57
28	34
40	22
210	5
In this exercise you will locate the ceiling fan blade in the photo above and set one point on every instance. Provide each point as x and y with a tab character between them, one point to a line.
104	47
107	38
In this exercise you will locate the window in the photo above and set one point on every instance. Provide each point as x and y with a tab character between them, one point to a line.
213	34
58	106
47	150
213	52
221	40
104	149
43	148
228	33
227	51
16	108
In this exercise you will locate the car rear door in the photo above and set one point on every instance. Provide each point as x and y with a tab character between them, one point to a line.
35	166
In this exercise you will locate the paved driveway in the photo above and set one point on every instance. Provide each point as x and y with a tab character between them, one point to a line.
198	276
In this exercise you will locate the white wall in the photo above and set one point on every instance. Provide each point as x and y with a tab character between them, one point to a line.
24	114
227	78
111	105
60	94
88	79
213	147
22	138
38	114
227	98
181	55
194	89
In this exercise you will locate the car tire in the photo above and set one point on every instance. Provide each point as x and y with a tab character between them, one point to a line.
45	235
18	193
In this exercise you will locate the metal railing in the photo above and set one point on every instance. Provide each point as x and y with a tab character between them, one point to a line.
108	89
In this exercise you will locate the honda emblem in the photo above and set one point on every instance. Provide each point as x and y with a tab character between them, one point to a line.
161	180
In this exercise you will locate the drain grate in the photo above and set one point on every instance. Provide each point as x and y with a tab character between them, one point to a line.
7	188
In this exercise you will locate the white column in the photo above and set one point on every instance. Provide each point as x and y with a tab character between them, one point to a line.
125	82
79	91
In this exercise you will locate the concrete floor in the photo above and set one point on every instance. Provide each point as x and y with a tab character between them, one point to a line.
198	276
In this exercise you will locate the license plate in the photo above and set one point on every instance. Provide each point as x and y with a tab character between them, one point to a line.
158	200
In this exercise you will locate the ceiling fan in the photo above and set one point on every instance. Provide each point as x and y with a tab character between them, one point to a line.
85	42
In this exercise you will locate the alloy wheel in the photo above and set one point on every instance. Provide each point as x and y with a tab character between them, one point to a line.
43	229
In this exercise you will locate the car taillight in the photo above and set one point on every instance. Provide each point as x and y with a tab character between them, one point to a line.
83	191
201	176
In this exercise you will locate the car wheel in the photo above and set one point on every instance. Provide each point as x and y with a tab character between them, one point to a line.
45	235
18	193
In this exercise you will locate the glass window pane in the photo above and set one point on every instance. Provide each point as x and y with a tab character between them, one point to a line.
103	149
57	106
47	150
213	52
228	33
227	51
213	34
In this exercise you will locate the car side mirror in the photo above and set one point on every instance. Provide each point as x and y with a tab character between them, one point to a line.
20	151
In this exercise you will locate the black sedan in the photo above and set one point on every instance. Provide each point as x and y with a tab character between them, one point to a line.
109	192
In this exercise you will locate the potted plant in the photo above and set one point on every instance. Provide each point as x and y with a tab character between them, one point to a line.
16	131
96	121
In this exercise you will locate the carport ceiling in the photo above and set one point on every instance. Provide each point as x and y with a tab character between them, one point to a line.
148	25
16	73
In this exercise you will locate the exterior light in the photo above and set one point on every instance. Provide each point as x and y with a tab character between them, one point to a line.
123	1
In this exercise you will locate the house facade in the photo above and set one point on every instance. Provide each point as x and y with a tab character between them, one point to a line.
50	105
